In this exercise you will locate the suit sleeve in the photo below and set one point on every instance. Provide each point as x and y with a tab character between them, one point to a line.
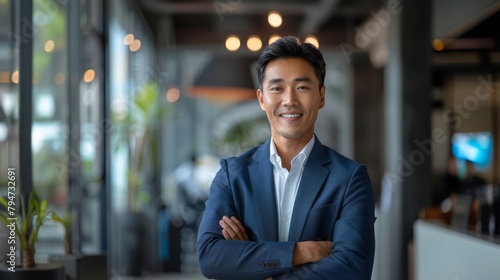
353	237
231	259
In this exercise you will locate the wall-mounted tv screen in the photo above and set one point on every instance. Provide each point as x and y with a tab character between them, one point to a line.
476	147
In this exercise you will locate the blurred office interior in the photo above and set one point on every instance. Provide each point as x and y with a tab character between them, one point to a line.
118	111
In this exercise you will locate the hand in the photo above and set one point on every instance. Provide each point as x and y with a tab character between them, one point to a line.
311	251
233	229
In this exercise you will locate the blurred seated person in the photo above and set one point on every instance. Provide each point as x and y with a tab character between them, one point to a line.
469	185
472	180
451	181
192	195
465	184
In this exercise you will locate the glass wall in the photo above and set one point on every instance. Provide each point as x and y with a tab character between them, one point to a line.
50	102
9	90
131	70
93	127
67	129
136	110
50	127
9	105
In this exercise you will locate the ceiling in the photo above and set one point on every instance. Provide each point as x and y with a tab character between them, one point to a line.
199	23
483	35
207	23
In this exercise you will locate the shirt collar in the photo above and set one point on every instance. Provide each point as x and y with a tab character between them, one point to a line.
275	158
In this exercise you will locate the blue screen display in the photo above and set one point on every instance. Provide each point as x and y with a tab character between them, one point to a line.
476	147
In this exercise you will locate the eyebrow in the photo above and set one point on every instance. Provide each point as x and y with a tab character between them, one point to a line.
299	79
303	79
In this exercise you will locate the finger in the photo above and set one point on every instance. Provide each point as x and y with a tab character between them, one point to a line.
226	235
241	227
227	231
237	228
232	228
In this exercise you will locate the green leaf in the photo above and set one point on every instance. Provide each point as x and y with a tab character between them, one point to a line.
65	221
3	201
57	218
43	206
23	211
3	218
29	222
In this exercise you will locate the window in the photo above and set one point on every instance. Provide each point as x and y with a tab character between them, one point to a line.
9	91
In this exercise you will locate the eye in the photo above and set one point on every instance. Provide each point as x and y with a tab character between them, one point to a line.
303	88
275	89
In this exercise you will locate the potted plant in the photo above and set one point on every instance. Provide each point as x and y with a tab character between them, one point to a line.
78	267
140	129
65	221
26	227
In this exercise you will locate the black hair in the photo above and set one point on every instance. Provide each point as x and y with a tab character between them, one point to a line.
291	47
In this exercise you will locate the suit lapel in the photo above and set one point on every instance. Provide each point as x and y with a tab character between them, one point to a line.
312	180
264	194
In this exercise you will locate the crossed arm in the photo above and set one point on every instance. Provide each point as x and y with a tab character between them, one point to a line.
304	252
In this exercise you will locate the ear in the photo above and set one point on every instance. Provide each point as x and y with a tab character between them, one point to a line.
322	91
260	97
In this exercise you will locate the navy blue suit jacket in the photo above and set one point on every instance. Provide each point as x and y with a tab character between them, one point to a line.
335	202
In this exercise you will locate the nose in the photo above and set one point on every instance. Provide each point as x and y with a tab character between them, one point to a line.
289	97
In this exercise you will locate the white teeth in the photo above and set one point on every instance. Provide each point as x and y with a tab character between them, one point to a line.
291	115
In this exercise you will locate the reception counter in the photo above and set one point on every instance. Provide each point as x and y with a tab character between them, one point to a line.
446	253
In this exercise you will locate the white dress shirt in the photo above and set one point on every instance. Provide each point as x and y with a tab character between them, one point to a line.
286	185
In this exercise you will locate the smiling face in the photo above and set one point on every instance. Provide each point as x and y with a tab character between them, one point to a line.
291	97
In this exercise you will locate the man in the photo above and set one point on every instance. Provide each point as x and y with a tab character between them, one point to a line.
290	208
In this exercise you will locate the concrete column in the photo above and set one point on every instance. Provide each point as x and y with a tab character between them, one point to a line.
417	102
406	187
368	118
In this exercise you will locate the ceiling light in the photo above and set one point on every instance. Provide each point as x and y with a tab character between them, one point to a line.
233	43
89	76
274	19
173	94
135	45
15	77
49	46
273	38
128	39
313	40
438	45
254	43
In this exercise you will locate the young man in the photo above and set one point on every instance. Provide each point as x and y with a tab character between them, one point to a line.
290	208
